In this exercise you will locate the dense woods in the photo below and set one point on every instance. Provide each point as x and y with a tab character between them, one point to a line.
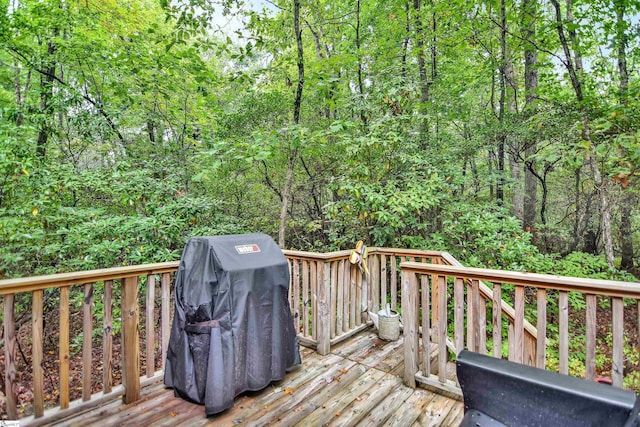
505	132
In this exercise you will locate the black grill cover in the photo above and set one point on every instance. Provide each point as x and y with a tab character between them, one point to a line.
232	329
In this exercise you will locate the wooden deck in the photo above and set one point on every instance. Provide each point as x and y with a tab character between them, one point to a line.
358	383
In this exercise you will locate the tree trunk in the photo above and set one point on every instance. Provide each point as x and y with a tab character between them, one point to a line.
422	67
286	193
46	93
629	200
575	70
503	94
529	13
363	116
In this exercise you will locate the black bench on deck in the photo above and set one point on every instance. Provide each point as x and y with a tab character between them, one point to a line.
500	393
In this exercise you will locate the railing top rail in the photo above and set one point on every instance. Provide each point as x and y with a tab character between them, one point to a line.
547	281
28	284
328	256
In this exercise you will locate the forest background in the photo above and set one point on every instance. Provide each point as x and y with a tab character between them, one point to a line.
505	132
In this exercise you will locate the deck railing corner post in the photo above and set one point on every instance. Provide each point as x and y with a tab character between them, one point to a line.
130	340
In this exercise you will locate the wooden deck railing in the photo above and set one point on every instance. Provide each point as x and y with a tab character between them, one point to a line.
118	287
423	312
328	297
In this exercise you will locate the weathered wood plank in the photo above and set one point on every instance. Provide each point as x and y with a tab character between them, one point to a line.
482	324
442	328
387	407
323	324
425	293
358	300
107	337
411	409
334	297
130	340
87	333
333	407
458	308
519	324
314	299
394	282
437	413
296	295
150	345
435	301
346	283
63	350
563	331
617	362
475	316
305	298
10	357
37	352
383	281
541	339
340	297
590	339
410	332
353	303
165	291
366	402
497	320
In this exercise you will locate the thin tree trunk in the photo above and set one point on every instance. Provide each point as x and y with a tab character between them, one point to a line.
529	13
422	67
503	93
46	93
363	116
575	70
286	193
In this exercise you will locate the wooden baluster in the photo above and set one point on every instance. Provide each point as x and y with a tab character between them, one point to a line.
345	302
165	290
150	325
37	353
425	293
383	280
333	290
497	320
590	363
107	337
305	298
375	278
471	318
296	295
314	299
353	301
394	283
410	332
324	324
87	332
358	299
63	351
511	343
435	300
340	298
617	362
541	338
519	325
482	323
563	330
475	321
458	302
442	328
10	357
290	263
130	340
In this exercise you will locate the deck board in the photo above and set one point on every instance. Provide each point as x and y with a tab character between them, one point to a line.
357	384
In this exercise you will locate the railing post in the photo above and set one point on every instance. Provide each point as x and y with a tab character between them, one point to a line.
324	322
410	332
130	340
10	357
